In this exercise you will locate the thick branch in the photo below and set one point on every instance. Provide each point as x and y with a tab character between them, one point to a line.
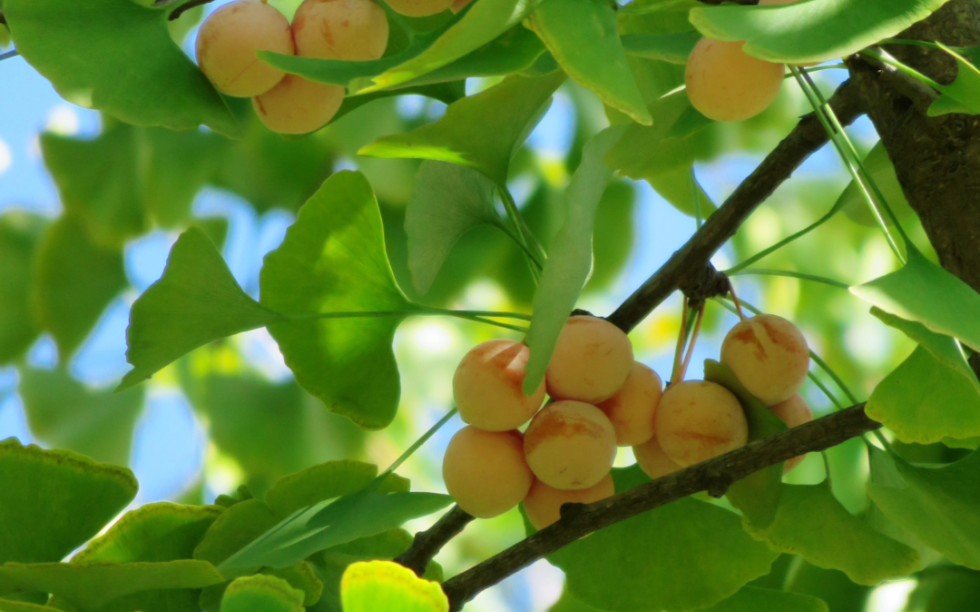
691	260
714	476
428	543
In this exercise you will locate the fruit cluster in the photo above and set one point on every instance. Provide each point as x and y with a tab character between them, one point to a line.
602	398
725	83
348	30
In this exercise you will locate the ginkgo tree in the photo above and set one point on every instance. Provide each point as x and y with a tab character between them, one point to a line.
446	213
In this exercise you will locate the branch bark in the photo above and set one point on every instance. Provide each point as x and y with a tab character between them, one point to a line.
688	264
714	476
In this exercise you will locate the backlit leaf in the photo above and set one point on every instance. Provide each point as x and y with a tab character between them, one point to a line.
582	35
266	593
76	45
331	266
384	585
811	31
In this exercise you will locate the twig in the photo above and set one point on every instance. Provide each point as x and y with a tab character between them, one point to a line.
183	8
691	260
714	476
428	543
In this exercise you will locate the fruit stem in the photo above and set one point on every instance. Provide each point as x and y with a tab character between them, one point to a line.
693	341
418	443
735	300
681	341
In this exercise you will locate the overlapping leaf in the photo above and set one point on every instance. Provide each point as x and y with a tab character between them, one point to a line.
332	278
196	301
924	292
570	259
811	522
77	46
583	36
811	31
939	506
20	234
688	554
963	94
449	200
481	131
266	593
53	501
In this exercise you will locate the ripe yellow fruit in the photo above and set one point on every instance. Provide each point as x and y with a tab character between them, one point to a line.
591	361
652	459
570	445
228	41
419	8
489	386
768	355
298	106
353	30
632	408
698	420
485	471
543	503
793	412
727	84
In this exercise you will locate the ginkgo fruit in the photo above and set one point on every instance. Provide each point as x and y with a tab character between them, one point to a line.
485	471
488	386
298	106
591	360
352	30
793	412
229	40
698	420
725	83
653	460
570	445
543	503
632	408
768	355
419	8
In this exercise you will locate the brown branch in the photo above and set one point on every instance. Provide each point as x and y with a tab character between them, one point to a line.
690	261
428	543
714	476
183	8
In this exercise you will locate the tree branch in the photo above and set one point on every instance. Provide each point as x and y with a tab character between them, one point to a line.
428	543
690	261
714	476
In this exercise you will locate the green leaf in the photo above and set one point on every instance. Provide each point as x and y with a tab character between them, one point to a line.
482	23
20	233
92	585
98	182
325	481
482	131
943	348
754	599
936	505
924	292
963	94
570	260
331	266
76	279
67	414
9	605
881	170
925	401
53	501
673	47
233	529
330	523
87	50
368	586
196	301
583	36
811	522
756	495
513	51
811	31
687	554
946	589
615	234
448	202
265	593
